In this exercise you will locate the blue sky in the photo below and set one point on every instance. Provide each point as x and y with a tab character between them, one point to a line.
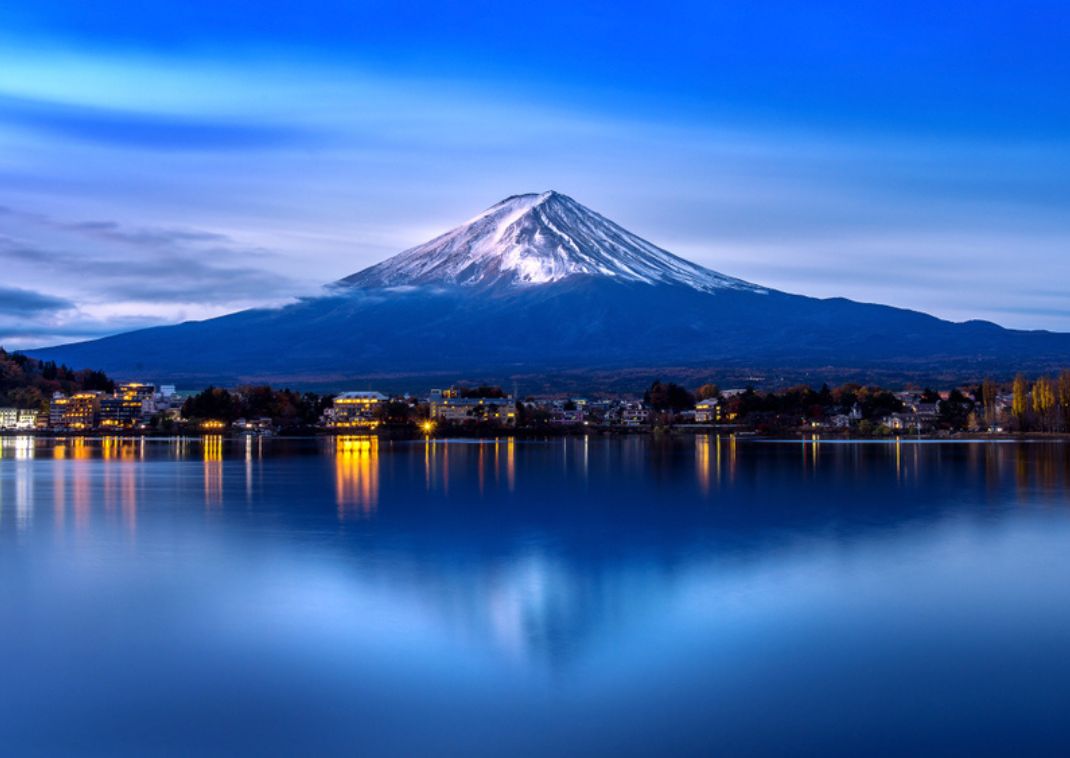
165	161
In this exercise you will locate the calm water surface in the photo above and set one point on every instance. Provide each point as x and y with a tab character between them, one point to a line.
613	596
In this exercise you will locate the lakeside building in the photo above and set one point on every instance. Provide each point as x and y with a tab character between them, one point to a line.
707	411
143	393
632	415
355	410
262	425
129	407
449	407
56	408
168	398
79	412
118	412
568	416
903	422
18	419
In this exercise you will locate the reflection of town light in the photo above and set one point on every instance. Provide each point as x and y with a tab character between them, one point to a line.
24	448
59	487
510	463
128	493
80	487
731	458
356	474
702	463
80	450
213	469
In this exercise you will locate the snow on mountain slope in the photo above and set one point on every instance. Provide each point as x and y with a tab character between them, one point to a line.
534	239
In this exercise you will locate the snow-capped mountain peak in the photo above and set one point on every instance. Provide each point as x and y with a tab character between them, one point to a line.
532	239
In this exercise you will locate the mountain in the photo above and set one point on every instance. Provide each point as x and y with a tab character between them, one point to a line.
538	239
541	289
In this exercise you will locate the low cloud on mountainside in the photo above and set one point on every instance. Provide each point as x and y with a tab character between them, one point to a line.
103	277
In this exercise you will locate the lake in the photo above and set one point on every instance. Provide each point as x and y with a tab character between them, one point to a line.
625	595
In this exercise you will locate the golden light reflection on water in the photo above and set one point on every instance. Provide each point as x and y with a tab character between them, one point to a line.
356	466
429	450
731	458
510	464
119	455
59	486
103	477
120	448
709	461
212	452
488	463
81	497
702	463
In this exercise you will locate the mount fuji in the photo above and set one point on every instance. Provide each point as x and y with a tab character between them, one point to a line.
538	239
540	288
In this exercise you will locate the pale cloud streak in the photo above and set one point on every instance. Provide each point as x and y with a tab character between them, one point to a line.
103	277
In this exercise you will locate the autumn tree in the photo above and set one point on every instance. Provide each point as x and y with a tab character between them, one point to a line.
1044	402
1019	400
707	391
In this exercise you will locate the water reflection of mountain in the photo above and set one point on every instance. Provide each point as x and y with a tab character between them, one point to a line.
595	533
536	547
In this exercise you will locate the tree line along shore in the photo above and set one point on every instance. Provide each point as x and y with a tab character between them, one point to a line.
42	397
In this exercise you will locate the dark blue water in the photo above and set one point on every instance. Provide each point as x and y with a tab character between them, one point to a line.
620	596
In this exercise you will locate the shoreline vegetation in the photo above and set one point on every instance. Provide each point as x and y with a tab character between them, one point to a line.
36	391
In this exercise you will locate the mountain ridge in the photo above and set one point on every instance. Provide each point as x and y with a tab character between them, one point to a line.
537	286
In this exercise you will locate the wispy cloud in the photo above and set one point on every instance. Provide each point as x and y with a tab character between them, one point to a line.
182	276
20	302
110	277
149	130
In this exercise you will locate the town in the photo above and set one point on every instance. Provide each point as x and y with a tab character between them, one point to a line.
44	398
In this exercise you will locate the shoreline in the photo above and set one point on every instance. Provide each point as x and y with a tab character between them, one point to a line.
490	433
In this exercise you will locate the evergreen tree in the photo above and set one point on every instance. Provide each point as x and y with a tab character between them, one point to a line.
668	396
